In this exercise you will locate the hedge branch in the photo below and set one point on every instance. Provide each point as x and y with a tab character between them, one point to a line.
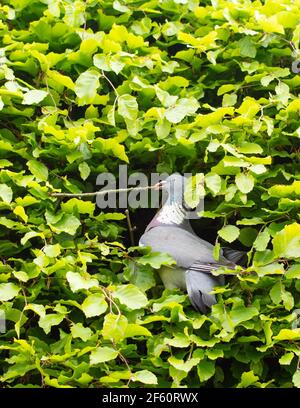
130	227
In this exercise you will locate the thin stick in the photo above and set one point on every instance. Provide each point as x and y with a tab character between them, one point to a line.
48	90
110	83
95	193
130	228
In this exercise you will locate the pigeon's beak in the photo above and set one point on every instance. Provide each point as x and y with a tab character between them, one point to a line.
159	185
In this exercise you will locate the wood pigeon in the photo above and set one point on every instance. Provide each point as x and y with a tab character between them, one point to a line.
170	232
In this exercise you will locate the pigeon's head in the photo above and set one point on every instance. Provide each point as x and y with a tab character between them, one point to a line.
174	187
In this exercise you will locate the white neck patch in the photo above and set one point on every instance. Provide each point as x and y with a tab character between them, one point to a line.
171	214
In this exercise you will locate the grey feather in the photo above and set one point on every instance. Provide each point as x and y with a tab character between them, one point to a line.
198	287
185	247
199	284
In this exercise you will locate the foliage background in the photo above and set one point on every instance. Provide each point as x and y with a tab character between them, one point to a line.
169	85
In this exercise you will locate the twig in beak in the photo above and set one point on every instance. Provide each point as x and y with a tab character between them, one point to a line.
159	185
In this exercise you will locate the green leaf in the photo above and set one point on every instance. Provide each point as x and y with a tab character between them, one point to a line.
249	107
21	276
86	87
128	107
270	24
114	327
83	333
267	327
293	272
282	91
5	163
213	354
133	330
111	116
162	128
74	205
94	305
205	369
116	376
273	268
286	359
165	98
262	240
229	99
68	223
244	182
179	340
52	250
6	193
84	170
33	97
78	282
217	249
141	276
20	212
213	182
286	243
169	302
247	47
61	79
194	190
156	259
288	334
248	378
38	169
38	309
30	235
203	343
117	5
278	294
229	233
8	291
258	169
241	314
154	318
102	61
130	296
49	320
250	148
296	379
226	88
184	107
247	236
116	64
145	377
102	354
183	365
91	112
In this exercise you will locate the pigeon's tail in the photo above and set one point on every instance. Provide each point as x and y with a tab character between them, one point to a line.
237	257
199	284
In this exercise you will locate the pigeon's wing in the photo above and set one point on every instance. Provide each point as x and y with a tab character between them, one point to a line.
185	247
194	256
199	284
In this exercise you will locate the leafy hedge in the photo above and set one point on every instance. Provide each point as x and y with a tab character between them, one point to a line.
164	85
